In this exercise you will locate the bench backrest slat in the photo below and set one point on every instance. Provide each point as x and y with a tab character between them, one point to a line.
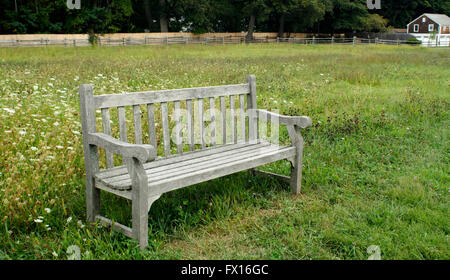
201	123
178	131
151	125
159	96
212	125
242	115
165	128
233	120
190	124
223	116
122	126
190	119
137	124
106	120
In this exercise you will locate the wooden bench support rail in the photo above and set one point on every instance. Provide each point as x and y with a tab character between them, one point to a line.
115	226
283	178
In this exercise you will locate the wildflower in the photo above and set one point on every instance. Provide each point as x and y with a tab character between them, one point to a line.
38	221
56	123
50	84
48	210
34	148
11	111
59	147
54	254
69	219
35	87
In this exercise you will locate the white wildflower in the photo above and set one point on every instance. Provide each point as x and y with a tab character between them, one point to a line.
11	111
48	210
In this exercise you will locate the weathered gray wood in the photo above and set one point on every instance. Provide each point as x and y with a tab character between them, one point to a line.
165	128
220	171
178	128
141	152
184	172
234	137
115	226
190	124
223	117
139	204
162	161
143	182
200	120
87	112
242	116
208	159
137	98
151	125
300	121
106	119
297	164
137	124
251	105
163	172
122	124
212	125
271	174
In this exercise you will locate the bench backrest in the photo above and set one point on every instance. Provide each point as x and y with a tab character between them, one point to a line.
197	106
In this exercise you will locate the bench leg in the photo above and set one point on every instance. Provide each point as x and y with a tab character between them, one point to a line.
139	204
297	161
92	199
296	170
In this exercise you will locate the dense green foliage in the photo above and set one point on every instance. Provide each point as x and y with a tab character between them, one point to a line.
200	16
376	158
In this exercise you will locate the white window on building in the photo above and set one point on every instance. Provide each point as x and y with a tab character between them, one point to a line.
416	28
424	19
430	27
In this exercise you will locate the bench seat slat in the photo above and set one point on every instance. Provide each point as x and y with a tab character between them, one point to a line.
160	161
207	160
176	175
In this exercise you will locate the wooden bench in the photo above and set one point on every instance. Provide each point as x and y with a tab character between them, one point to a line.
143	175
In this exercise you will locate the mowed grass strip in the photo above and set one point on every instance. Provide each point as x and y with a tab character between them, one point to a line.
376	158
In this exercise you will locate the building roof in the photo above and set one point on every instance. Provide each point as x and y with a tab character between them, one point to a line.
439	18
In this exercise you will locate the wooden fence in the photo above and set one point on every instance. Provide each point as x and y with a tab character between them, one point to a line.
171	40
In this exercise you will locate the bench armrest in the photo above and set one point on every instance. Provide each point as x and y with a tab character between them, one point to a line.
141	152
299	121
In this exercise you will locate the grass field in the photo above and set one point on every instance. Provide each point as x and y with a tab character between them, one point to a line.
376	159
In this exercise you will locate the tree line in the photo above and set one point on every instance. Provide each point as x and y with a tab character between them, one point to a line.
201	16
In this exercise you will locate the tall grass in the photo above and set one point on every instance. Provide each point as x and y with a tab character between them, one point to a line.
376	159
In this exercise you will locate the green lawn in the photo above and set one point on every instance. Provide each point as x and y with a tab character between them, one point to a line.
376	159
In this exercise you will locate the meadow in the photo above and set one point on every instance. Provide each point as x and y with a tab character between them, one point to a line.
376	160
